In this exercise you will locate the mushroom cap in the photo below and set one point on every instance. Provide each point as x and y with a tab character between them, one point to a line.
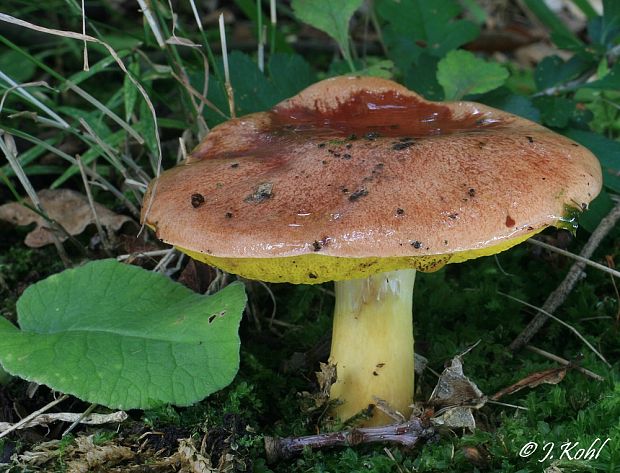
355	170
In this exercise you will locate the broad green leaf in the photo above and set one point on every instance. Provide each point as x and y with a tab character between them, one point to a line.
552	70
607	151
597	210
421	76
421	26
329	16
505	100
289	73
254	91
555	111
461	73
120	336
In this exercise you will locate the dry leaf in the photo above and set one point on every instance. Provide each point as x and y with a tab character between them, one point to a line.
551	376
48	418
67	207
326	377
455	395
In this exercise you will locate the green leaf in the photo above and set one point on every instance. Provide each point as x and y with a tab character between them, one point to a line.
417	26
505	100
120	336
13	65
606	150
421	76
552	70
254	92
561	35
597	210
555	111
611	80
461	73
130	92
330	17
289	73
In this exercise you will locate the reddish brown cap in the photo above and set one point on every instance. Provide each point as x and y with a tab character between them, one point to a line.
362	167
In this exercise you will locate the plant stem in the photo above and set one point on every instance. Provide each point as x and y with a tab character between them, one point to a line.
372	344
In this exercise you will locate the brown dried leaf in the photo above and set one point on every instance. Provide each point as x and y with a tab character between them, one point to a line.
67	207
550	376
326	377
455	395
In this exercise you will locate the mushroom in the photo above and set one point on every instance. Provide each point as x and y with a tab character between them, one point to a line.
360	181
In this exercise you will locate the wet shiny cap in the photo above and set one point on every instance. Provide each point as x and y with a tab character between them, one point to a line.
356	175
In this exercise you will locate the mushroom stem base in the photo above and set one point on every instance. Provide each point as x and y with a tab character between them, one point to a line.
372	344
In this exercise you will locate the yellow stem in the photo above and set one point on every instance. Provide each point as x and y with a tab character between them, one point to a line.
372	344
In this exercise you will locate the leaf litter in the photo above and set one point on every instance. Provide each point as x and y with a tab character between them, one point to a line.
68	208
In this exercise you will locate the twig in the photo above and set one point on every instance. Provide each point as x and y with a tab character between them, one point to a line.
557	297
83	418
28	418
564	362
406	434
587	261
560	321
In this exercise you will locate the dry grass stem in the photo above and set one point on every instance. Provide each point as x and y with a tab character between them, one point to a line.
91	203
564	362
152	22
20	89
587	261
229	89
559	295
26	420
560	321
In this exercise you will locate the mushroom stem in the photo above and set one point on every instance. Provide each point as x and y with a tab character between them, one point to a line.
372	344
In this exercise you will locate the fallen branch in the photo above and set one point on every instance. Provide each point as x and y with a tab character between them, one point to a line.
406	434
557	297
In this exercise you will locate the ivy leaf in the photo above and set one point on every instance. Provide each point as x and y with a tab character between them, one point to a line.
120	336
330	17
417	26
461	73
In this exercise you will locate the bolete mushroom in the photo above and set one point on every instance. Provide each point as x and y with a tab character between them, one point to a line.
360	181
